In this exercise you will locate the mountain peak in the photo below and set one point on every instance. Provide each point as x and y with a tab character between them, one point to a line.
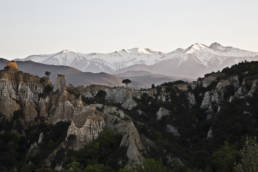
197	57
140	50
216	45
195	47
65	51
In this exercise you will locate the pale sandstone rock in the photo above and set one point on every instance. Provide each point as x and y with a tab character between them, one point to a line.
191	99
173	130
208	80
21	91
206	100
222	84
89	122
162	112
86	133
253	88
210	133
41	136
129	104
60	83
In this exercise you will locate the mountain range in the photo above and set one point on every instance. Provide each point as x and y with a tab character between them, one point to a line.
192	62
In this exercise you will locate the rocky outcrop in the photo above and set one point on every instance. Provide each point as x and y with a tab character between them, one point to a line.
86	133
173	110
173	130
117	120
60	83
118	95
32	97
19	91
162	112
206	100
191	99
87	125
131	139
208	80
209	134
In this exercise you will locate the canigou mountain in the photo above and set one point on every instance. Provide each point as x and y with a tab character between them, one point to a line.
192	62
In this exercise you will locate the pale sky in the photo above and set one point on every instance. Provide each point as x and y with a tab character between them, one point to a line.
46	26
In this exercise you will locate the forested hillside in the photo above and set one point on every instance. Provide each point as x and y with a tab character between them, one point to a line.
208	125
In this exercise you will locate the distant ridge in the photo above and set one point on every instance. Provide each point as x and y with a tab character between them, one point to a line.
192	62
73	76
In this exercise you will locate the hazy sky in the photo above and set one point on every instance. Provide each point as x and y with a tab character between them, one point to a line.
46	26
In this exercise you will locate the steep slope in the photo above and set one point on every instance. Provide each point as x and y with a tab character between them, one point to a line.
35	104
196	126
193	123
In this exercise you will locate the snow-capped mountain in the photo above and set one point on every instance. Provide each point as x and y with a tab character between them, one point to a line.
193	61
196	60
99	62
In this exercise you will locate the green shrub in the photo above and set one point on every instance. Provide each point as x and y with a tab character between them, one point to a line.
98	168
151	165
249	157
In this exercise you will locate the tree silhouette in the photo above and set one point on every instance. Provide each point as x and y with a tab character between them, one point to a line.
126	81
47	73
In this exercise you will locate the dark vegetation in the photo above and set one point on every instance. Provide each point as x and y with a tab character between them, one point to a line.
105	150
230	148
235	121
16	141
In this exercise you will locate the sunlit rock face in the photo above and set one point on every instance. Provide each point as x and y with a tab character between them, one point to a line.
87	124
19	90
91	120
